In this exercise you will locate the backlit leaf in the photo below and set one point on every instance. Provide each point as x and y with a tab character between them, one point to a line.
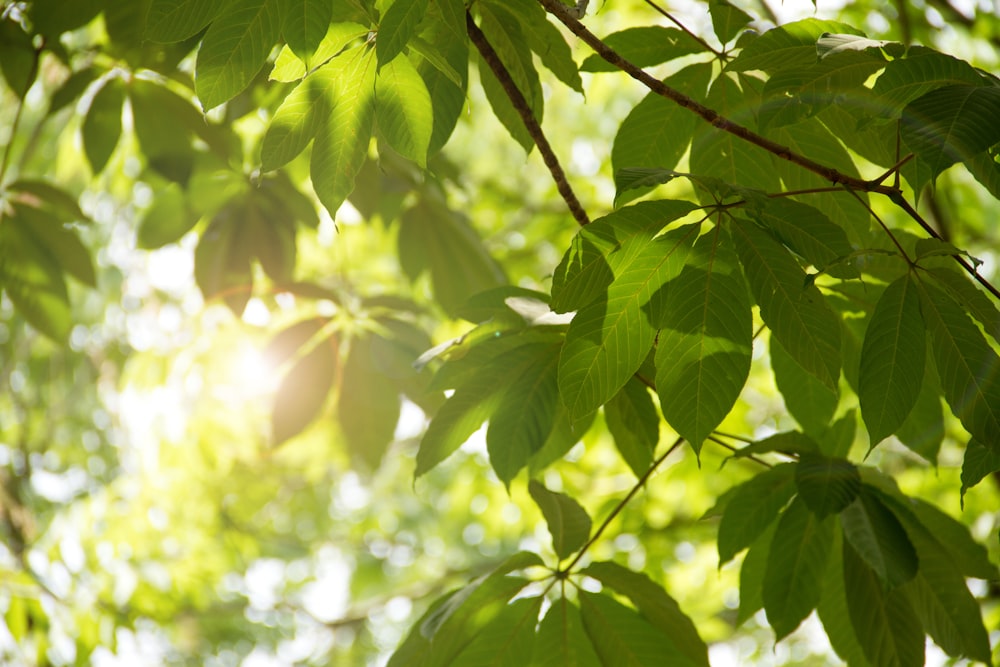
303	391
979	462
403	110
643	47
176	20
508	640
634	424
753	507
562	641
622	637
878	537
304	25
811	402
569	524
398	24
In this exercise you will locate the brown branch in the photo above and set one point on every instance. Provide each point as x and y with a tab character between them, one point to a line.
491	58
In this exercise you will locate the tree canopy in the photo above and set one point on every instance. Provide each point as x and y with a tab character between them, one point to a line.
499	332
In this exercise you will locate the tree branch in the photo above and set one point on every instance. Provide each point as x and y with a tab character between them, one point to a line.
491	58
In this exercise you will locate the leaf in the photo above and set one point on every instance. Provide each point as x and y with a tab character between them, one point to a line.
295	122
754	506
18	59
569	524
634	424
51	18
831	45
752	574
446	37
234	49
796	312
885	624
878	537
57	243
561	639
222	259
807	232
72	88
343	136
368	402
789	45
705	340
544	39
102	125
436	238
950	124
836	440
176	20
892	360
526	413
508	640
796	565
969	556
725	156
826	485
305	24
167	219
968	367
979	462
656	132
621	637
608	340
833	613
403	109
600	251
303	391
921	71
398	25
811	402
655	606
970	297
414	648
644	46
727	19
789	443
923	430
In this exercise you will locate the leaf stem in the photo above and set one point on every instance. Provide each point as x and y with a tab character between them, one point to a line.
516	97
621	504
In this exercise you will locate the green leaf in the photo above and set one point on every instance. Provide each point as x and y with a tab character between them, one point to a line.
979	462
544	39
562	641
796	312
836	440
51	18
950	124
413	650
973	299
878	537
234	49
790	443
656	132
368	402
811	402
398	25
176	20
343	136
58	243
705	340
796	565
103	124
644	46
634	424
167	219
305	24
295	122
609	339
403	110
436	238
892	360
833	612
600	251
18	59
655	606
752	574
446	37
46	197
826	485
526	414
622	637
790	45
303	391
722	154
72	88
968	367
222	259
569	524
508	640
806	231
969	556
727	19
753	507
920	72
924	428
889	631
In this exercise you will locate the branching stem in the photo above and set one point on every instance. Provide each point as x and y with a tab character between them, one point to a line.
516	97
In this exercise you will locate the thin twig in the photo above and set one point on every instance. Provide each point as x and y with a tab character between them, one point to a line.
621	505
736	450
491	58
885	227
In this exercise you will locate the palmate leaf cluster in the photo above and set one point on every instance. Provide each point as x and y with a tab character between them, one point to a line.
766	223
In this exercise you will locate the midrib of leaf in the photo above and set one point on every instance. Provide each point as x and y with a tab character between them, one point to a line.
257	23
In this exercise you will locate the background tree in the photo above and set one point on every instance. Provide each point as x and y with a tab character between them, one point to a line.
306	363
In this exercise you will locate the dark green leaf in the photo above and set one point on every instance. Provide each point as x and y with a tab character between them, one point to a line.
622	637
368	403
979	462
176	20
786	442
880	540
796	565
704	346
924	428
167	219
753	507
811	402
644	47
72	88
833	613
973	299
305	24
795	311
569	524
414	648
968	367
634	424
507	640
752	574
58	243
969	556
807	231
790	45
562	641
892	360
836	440
655	606
222	259
18	59
727	19
397	26
54	17
826	485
